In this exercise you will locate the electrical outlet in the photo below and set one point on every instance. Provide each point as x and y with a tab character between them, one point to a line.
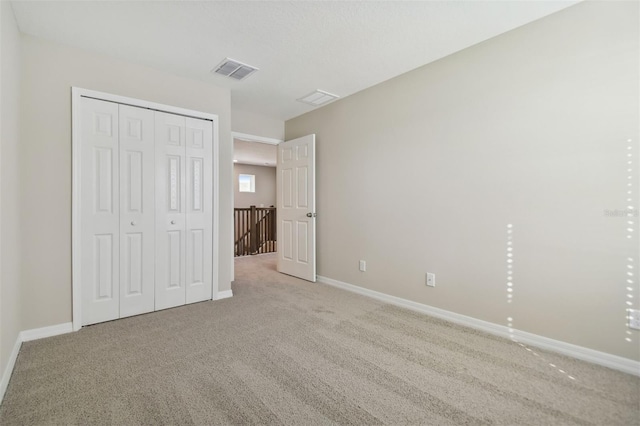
363	266
634	318
431	279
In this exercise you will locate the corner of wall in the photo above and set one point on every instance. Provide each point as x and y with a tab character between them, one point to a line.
10	289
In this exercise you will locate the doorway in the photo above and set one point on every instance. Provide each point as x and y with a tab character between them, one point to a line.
288	226
254	194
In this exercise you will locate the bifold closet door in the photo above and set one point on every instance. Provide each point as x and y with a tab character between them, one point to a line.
146	190
137	210
199	209
184	234
170	210
99	221
117	201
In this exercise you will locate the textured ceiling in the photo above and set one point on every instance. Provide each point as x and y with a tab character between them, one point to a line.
340	47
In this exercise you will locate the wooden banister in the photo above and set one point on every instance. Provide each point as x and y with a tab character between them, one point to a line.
255	230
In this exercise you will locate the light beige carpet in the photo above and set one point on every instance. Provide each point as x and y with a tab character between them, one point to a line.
285	351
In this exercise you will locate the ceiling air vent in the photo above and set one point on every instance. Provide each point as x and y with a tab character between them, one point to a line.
317	98
234	69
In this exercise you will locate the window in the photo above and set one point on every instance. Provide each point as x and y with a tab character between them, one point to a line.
247	183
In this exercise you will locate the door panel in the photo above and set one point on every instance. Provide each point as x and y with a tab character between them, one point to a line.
133	182
302	232
137	215
173	260
99	202
286	240
104	266
170	210
103	179
296	200
196	256
199	208
302	201
133	264
287	185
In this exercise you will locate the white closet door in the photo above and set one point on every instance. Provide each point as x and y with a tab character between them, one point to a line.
137	230
99	193
199	226
170	210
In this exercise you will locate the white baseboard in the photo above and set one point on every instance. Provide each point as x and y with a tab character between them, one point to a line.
6	375
41	333
26	336
223	295
596	357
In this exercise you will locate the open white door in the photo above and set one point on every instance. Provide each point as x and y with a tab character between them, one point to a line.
296	207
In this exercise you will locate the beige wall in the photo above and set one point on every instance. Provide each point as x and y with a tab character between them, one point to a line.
256	124
10	321
49	72
425	171
265	186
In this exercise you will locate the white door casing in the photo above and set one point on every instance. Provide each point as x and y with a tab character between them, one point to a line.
99	224
137	215
296	208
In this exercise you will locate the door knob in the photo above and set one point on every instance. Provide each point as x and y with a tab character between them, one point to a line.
173	222
311	215
133	223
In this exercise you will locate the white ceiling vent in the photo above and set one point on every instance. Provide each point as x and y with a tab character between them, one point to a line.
317	98
234	69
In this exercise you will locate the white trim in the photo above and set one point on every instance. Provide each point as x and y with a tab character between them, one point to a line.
223	295
254	163
41	333
76	94
233	236
601	358
8	371
253	138
216	207
77	91
76	255
26	336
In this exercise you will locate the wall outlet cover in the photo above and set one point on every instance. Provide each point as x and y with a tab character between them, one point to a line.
431	279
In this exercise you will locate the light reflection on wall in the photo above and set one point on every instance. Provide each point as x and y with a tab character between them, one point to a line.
510	298
510	278
509	263
630	229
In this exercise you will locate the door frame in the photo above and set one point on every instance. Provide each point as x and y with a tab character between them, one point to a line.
76	95
246	138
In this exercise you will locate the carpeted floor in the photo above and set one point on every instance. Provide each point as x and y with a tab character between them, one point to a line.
285	351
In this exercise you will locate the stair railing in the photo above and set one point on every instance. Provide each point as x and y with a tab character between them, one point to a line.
255	230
